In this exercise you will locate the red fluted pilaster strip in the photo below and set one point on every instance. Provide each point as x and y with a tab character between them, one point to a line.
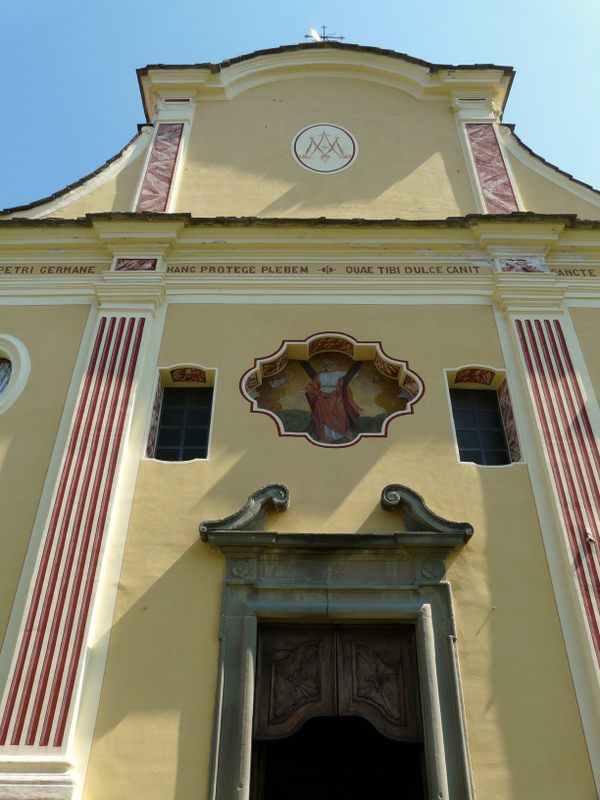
572	452
49	654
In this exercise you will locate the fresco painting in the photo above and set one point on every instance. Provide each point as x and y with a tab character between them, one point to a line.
331	389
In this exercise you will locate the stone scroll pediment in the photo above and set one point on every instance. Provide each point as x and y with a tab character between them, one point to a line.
275	496
425	533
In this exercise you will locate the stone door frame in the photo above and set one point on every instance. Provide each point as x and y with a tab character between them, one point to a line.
340	578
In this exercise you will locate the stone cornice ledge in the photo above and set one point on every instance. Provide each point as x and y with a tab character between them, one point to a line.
134	292
525	293
406	545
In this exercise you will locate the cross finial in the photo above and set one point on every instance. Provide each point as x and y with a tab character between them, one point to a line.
323	36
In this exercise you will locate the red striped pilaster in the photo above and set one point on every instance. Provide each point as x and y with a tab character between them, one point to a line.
572	453
36	707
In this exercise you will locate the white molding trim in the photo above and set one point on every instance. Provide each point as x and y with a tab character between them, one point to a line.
18	355
531	293
122	292
527	293
37	786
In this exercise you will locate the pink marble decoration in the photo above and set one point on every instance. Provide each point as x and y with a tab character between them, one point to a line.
194	374
475	375
135	265
491	170
151	446
161	167
510	426
520	265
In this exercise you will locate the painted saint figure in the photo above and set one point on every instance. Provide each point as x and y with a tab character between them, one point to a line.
331	403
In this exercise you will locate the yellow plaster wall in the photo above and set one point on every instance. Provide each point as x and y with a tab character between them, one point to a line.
410	163
115	194
544	196
587	327
157	701
52	335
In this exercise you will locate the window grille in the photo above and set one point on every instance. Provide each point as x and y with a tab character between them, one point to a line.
479	428
184	425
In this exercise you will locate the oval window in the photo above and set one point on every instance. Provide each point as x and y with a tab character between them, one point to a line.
5	373
14	370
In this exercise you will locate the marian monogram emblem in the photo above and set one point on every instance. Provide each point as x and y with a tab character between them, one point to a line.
324	148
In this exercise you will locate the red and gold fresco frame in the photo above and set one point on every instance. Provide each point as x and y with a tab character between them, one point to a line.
279	359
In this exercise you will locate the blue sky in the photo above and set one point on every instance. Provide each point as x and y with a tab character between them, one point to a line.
71	100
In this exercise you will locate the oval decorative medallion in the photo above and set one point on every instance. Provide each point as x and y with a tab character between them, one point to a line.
331	388
324	148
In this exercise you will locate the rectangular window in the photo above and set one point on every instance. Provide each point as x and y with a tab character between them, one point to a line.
184	424
479	428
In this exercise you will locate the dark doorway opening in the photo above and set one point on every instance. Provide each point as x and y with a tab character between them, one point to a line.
338	758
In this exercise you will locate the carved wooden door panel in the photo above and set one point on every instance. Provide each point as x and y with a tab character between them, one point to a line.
377	678
367	671
295	678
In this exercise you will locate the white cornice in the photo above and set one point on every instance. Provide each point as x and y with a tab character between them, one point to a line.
527	293
534	235
231	80
104	233
166	110
130	292
470	106
145	240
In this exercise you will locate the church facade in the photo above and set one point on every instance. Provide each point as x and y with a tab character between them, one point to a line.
299	448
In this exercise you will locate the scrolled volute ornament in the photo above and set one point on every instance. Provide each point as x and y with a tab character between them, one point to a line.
417	516
275	496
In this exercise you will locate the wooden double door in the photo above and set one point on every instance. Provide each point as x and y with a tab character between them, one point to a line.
337	713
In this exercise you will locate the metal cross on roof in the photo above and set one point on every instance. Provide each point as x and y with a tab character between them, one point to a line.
323	36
